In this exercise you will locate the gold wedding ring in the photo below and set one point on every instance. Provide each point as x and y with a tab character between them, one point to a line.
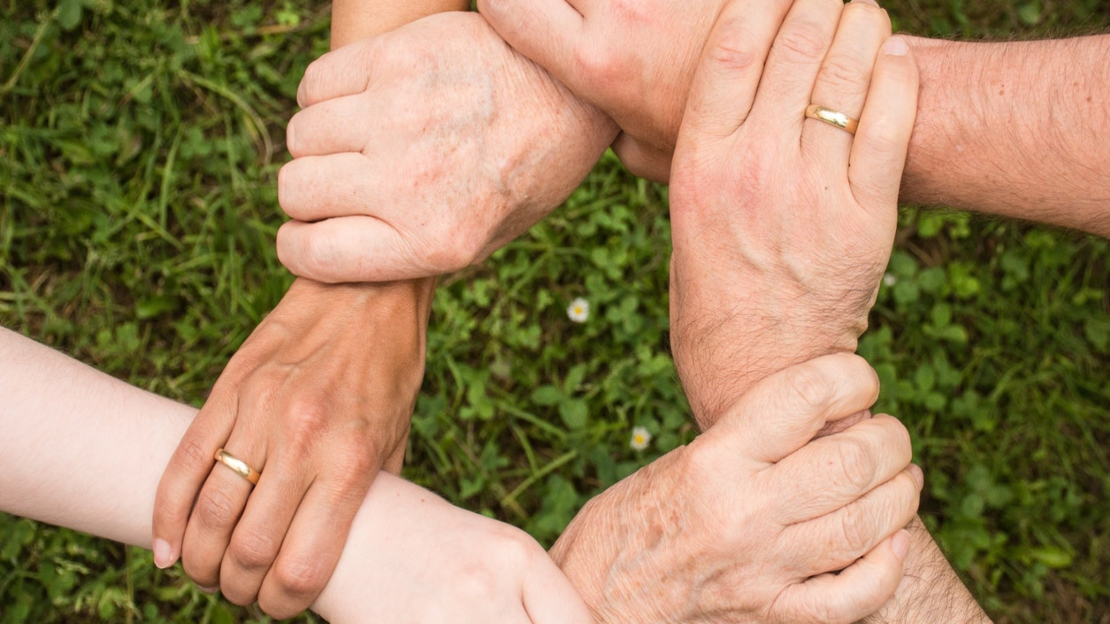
833	118
239	466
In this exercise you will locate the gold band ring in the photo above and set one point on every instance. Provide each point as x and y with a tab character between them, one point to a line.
239	466
833	118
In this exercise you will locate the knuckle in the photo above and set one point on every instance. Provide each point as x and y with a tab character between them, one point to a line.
310	84
216	509
360	462
855	464
300	576
307	417
730	48
908	506
192	453
201	575
804	43
288	186
843	75
319	253
293	138
886	139
876	17
598	65
856	530
237	593
279	607
253	551
903	442
809	386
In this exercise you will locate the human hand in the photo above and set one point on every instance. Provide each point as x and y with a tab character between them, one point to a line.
751	522
428	562
632	59
782	225
423	150
317	399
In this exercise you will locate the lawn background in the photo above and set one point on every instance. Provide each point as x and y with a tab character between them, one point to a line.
139	146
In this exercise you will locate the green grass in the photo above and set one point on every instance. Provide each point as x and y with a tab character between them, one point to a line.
139	144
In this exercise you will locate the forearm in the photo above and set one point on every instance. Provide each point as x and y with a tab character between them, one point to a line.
930	591
84	450
352	20
1016	129
358	19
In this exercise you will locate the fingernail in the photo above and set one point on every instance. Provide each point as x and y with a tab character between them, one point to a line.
918	475
900	544
163	554
895	46
871	2
207	590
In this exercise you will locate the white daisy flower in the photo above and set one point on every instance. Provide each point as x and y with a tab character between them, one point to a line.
578	310
640	438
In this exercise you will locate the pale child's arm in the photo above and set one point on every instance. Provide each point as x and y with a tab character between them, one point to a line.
85	451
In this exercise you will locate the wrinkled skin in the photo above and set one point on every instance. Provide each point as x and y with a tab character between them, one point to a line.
318	398
778	250
424	150
782	226
747	523
633	59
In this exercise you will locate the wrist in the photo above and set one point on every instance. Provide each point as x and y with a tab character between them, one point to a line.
360	303
721	348
930	590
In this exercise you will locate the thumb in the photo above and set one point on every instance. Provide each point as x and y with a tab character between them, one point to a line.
784	411
354	249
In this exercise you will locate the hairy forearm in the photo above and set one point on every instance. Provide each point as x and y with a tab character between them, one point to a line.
930	591
1016	129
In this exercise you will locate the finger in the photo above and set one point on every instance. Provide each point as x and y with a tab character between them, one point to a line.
219	506
836	426
844	79
783	412
345	71
793	63
643	160
188	468
258	535
329	127
834	471
725	83
879	149
355	249
856	592
549	32
312	188
311	548
848	533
